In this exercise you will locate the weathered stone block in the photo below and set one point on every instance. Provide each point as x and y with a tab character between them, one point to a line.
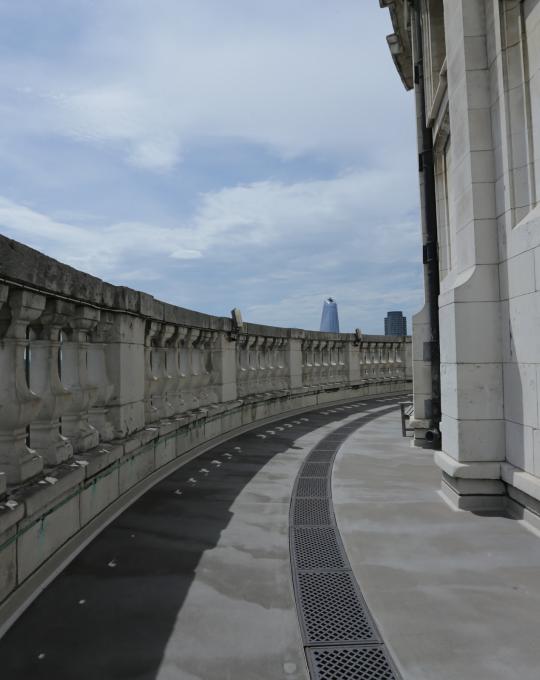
165	450
136	467
100	493
39	540
8	562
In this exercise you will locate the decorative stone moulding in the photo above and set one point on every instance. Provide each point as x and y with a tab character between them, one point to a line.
45	380
75	376
19	405
151	378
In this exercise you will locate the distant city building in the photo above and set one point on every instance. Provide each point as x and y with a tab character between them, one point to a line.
395	324
329	318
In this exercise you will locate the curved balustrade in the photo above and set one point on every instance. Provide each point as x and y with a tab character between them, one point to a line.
94	377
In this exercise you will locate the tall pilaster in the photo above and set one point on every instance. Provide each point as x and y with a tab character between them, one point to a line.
473	437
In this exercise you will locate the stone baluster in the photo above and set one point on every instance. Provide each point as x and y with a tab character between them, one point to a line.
75	378
272	382
323	353
336	359
19	406
206	366
392	361
309	366
332	363
46	382
399	364
368	373
196	338
260	364
252	364
280	377
369	361
317	362
186	378
159	369
242	353
174	369
363	360
380	361
304	354
151	383
350	362
99	376
341	360
325	362
384	362
372	362
213	368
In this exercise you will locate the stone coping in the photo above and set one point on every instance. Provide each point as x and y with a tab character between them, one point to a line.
22	265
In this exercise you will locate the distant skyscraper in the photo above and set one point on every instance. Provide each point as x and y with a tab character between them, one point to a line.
395	324
329	318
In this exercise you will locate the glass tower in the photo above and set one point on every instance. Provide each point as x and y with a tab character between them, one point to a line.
329	318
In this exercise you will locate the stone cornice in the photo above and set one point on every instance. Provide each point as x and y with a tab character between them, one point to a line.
399	42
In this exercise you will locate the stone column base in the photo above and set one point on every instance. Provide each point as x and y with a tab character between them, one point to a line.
475	486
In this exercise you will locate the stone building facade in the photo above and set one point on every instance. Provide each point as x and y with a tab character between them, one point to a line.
474	66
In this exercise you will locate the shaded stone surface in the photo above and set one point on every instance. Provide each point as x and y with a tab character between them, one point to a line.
455	594
191	582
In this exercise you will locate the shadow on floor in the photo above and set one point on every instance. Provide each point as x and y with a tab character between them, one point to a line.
110	614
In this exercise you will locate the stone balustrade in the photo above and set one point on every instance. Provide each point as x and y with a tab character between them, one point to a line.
104	388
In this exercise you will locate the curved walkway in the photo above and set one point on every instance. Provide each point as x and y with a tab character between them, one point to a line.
456	595
192	582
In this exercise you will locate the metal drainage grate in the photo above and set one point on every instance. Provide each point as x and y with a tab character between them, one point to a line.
315	469
312	511
332	610
349	663
316	548
315	487
321	456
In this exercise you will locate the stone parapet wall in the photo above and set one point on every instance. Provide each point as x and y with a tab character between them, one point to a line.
104	390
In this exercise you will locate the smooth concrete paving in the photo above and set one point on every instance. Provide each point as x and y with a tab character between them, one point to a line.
456	595
190	583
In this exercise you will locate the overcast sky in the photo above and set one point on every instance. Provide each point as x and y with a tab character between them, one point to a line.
249	153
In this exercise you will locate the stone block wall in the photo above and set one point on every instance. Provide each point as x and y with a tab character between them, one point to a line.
484	116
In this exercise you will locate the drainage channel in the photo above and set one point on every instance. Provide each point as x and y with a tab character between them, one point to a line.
340	637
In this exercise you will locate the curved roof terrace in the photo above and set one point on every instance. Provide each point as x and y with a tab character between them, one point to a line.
105	391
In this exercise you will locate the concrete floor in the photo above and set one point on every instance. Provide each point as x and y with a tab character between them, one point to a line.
456	595
193	581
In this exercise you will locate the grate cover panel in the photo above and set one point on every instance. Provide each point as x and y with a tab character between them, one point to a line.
315	469
312	486
317	548
349	663
331	608
312	511
321	456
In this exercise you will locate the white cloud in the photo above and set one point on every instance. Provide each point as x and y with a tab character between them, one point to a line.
97	117
313	221
151	78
